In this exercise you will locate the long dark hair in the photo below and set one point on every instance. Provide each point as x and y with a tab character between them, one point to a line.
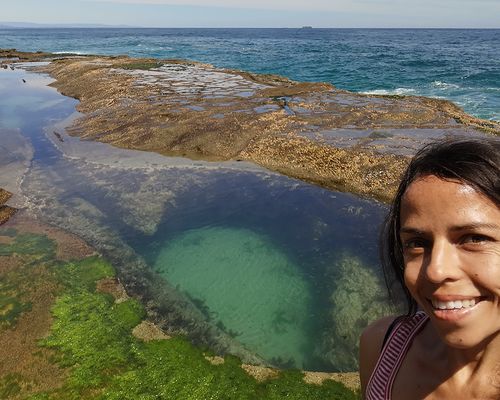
475	162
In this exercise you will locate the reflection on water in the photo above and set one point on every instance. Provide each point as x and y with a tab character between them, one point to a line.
236	257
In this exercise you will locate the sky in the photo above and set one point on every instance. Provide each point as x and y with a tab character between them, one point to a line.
258	13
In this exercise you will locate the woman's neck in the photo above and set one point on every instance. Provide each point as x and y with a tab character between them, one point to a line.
478	361
467	368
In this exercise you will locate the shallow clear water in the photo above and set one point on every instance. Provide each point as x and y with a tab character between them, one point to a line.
266	260
246	284
461	65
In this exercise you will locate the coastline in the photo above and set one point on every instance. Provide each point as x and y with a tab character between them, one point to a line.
193	110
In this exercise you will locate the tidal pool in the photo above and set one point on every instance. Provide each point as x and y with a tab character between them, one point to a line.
234	256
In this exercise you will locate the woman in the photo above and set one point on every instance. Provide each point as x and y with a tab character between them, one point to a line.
442	244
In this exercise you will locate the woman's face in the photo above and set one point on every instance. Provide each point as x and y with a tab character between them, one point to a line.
451	240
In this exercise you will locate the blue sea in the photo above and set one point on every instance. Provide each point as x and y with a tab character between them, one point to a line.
459	65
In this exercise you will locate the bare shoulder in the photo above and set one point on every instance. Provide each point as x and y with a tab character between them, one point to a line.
370	345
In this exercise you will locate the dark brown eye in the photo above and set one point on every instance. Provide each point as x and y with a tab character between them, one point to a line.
416	243
475	239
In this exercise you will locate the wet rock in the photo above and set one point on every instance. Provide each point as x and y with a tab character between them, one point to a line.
147	331
173	108
349	379
5	211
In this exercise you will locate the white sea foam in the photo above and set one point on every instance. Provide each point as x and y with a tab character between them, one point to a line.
80	53
444	85
398	91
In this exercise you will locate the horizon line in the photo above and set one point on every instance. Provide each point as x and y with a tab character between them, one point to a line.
36	25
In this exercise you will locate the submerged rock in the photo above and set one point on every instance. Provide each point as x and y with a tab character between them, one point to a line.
356	300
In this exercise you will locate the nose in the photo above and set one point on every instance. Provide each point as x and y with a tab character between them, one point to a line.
442	262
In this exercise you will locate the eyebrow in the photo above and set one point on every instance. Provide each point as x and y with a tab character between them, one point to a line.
411	230
476	225
467	227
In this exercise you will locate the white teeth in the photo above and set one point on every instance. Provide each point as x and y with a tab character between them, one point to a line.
453	305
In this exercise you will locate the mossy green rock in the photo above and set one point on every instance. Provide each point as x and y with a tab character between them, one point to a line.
92	334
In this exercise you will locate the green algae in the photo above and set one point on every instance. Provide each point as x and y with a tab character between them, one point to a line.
84	274
11	309
12	304
28	244
9	386
91	336
146	65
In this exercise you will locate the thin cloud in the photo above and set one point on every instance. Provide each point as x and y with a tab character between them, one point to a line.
285	5
376	7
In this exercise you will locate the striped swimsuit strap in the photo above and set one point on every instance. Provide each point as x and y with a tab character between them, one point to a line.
393	353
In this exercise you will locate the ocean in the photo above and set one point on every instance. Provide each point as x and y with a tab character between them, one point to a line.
459	65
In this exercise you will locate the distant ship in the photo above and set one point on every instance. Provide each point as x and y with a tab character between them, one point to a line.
307	27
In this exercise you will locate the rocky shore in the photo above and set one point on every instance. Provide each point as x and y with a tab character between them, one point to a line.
5	211
311	131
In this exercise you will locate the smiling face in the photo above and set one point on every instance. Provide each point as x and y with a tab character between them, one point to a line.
451	244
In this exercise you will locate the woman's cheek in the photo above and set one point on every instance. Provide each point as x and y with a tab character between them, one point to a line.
411	274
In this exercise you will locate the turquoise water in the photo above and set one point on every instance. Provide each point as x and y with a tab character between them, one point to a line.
455	64
246	285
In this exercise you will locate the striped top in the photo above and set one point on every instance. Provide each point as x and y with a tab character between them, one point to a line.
393	353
